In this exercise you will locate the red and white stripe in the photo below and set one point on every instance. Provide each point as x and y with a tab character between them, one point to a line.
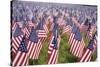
21	59
42	33
86	56
31	48
40	47
53	53
67	29
46	28
71	38
14	26
80	49
26	31
15	43
37	48
77	48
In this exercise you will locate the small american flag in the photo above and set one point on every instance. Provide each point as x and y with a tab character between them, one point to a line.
77	45
74	29
42	34
32	43
21	58
16	39
53	52
53	48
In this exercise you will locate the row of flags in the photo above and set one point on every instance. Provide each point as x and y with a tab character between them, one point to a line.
89	50
76	42
28	34
25	47
26	44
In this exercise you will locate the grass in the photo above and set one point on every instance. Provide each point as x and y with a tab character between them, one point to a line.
64	56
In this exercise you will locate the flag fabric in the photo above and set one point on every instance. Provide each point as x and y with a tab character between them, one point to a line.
53	51
84	25
66	29
42	34
26	31
16	39
53	46
88	53
95	41
71	38
41	31
32	43
21	58
77	44
14	25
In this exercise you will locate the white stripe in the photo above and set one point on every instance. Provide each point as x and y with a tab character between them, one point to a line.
42	31
20	37
28	45
42	35
49	52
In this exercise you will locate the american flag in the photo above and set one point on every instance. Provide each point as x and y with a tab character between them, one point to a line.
32	43
77	45
71	38
84	26
16	39
41	31
53	51
53	48
21	58
88	53
42	34
67	29
26	29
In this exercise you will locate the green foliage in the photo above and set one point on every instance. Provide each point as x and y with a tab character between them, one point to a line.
44	54
64	54
94	56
